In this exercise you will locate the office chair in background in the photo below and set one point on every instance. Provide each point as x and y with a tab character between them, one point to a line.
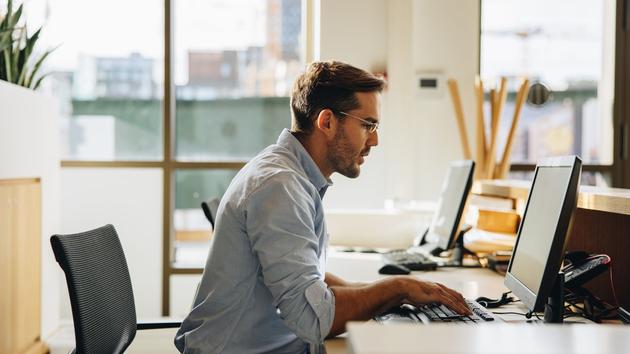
99	285
210	209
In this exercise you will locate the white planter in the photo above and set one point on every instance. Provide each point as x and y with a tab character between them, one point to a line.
29	147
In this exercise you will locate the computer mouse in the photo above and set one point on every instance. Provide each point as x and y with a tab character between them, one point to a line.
394	269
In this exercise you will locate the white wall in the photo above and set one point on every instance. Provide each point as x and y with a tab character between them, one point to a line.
131	200
446	39
29	147
355	31
418	137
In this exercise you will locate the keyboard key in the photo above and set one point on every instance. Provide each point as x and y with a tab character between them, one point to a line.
438	313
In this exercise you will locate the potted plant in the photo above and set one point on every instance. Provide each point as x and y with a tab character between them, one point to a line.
18	64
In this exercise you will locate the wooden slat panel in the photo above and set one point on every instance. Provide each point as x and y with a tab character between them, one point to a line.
27	285
20	266
6	268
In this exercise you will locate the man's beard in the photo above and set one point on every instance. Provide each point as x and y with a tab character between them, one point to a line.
341	156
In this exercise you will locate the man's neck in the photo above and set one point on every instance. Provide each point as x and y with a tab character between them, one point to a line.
316	150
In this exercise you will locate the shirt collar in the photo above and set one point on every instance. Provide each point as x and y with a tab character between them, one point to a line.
314	174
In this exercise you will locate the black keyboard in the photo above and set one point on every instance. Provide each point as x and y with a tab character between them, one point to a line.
438	313
411	260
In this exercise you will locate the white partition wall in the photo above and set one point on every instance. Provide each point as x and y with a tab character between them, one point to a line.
29	147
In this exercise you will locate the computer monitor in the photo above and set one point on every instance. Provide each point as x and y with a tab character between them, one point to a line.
542	235
445	225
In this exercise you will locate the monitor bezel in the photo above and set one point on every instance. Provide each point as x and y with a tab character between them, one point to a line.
462	204
536	301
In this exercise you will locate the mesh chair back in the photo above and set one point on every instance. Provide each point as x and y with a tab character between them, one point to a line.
100	290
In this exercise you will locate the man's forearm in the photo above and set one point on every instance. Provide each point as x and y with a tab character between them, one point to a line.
361	303
333	280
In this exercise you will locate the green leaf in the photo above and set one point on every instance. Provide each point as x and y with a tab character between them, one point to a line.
16	58
7	65
36	86
13	20
30	43
39	62
4	45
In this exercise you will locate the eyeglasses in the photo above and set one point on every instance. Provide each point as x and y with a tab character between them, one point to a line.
370	126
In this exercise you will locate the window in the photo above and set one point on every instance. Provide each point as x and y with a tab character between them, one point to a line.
234	64
106	114
568	46
234	61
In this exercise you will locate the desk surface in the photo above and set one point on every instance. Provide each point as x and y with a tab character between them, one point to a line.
369	338
471	282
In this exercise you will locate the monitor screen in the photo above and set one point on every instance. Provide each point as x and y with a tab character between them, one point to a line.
450	206
540	244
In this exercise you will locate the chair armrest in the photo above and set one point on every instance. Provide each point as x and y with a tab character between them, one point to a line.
157	325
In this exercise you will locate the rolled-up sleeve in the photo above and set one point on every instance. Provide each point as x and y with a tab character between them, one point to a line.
280	223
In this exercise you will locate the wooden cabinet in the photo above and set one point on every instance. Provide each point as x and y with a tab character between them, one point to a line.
20	266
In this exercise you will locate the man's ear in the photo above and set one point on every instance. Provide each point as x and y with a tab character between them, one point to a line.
326	122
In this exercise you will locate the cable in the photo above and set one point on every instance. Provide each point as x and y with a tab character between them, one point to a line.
494	303
509	313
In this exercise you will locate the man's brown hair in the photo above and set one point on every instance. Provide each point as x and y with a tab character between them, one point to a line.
329	84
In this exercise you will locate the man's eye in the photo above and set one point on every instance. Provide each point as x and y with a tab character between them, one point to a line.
367	126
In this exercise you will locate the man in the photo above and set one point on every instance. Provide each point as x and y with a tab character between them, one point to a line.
264	288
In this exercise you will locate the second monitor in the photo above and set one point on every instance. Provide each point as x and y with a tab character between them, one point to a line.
445	226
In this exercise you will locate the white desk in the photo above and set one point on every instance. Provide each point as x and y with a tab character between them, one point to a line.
372	338
515	336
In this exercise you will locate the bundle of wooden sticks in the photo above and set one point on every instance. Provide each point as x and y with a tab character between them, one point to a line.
486	153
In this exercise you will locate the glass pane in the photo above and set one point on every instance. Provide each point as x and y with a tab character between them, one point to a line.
232	86
106	74
192	229
573	55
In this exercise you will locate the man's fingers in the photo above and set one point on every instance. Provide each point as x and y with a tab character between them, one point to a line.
455	300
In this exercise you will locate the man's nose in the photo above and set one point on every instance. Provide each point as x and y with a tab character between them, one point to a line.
373	139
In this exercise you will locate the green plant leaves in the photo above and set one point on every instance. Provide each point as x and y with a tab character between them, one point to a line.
16	51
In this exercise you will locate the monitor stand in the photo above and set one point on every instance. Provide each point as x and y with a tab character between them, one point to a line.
458	252
457	257
554	307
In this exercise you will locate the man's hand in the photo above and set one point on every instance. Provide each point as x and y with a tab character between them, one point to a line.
360	303
422	292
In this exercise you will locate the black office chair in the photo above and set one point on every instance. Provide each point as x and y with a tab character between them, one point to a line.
210	208
100	291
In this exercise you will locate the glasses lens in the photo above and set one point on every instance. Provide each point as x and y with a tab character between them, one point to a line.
373	127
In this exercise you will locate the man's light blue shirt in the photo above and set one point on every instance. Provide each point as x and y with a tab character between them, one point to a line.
263	288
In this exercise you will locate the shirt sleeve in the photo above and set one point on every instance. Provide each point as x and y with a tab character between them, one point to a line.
280	224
